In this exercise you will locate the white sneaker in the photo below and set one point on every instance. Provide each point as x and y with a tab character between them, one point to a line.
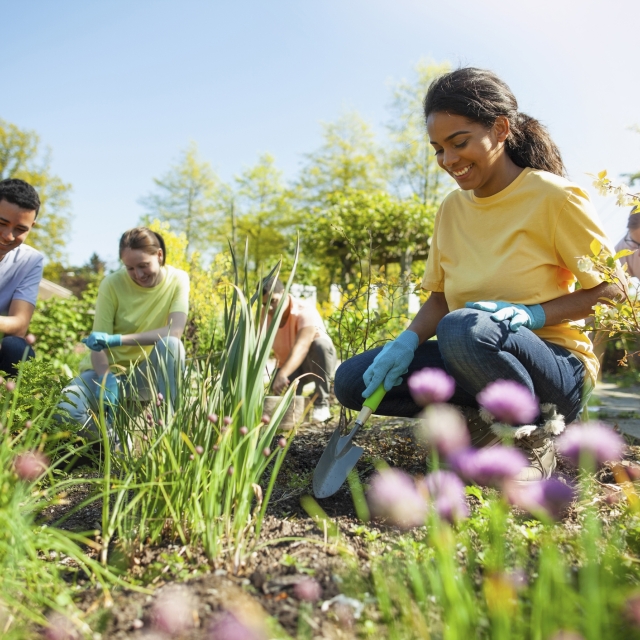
321	413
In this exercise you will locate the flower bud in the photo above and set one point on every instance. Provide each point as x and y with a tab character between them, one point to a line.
213	418
30	339
266	452
282	443
199	450
244	431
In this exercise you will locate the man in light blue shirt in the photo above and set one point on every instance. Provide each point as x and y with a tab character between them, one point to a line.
20	270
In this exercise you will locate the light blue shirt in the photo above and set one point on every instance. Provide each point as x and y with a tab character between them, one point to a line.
20	275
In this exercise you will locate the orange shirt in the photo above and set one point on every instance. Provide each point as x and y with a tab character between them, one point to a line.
301	315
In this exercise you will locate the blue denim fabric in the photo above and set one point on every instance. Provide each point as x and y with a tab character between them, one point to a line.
475	351
11	353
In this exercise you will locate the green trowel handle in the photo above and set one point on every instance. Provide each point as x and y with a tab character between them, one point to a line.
375	398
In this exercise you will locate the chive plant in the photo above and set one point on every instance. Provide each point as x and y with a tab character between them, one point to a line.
192	467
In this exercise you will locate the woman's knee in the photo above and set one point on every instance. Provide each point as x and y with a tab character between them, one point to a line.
348	384
464	331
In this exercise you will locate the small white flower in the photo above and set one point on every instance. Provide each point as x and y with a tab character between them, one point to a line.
584	264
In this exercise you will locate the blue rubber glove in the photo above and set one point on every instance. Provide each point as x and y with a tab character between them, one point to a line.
391	363
99	340
519	315
111	390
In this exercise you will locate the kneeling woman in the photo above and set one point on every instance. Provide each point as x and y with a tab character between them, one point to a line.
141	313
501	270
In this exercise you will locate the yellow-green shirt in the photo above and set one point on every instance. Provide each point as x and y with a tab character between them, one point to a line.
125	307
520	245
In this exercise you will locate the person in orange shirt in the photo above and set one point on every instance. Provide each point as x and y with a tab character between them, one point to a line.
301	347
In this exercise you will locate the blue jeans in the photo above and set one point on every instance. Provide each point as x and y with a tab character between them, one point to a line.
475	351
161	371
11	353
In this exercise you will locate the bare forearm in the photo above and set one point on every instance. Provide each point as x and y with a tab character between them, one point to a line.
579	304
427	319
145	338
13	326
99	362
296	358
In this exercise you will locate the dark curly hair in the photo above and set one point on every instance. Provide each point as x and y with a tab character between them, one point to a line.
20	193
480	96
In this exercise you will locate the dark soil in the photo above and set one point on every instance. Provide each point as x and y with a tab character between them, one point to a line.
291	549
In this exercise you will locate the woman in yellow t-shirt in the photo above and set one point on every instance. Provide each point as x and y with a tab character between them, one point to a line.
501	271
141	313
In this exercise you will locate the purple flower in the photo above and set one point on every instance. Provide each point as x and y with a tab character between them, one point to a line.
492	466
444	428
393	495
308	590
447	495
172	611
595	441
431	385
509	402
550	497
228	627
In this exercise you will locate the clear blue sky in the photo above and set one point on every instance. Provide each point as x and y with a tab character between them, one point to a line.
118	88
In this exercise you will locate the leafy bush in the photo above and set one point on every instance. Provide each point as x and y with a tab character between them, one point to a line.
59	324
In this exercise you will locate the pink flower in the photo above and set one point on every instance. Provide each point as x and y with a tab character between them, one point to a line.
549	497
59	627
199	450
393	495
266	452
592	442
213	418
443	428
265	419
308	590
31	465
10	386
632	610
228	627
431	385
172	612
227	420
509	402
243	431
30	339
492	466
447	495
282	443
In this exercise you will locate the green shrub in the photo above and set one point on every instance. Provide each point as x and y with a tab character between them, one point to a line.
59	324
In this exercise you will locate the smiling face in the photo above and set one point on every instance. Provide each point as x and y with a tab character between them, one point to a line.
15	224
471	153
145	269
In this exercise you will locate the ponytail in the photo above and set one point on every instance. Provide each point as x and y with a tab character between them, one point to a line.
145	240
481	96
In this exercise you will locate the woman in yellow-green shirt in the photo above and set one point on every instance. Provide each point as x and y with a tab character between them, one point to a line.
136	348
501	271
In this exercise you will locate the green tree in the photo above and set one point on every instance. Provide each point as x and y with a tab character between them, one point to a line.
188	197
348	159
263	211
411	164
23	156
370	225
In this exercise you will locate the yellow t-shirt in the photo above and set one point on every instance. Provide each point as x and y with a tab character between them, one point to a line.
520	245
125	307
